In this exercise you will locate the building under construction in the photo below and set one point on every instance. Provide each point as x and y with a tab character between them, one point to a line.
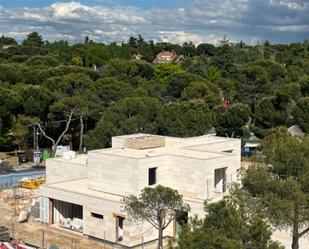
84	193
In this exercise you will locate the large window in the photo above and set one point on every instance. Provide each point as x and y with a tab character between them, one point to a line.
152	176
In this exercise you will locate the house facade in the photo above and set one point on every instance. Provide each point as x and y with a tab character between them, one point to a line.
168	57
90	187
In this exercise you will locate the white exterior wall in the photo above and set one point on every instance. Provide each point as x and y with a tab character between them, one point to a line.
113	174
105	229
58	170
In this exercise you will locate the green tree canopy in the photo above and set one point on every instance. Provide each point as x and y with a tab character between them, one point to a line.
231	121
7	41
176	83
201	90
280	187
36	100
42	60
253	84
127	116
162	71
185	119
157	206
9	101
110	90
226	227
301	113
33	40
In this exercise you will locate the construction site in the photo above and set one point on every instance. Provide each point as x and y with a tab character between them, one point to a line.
31	233
20	226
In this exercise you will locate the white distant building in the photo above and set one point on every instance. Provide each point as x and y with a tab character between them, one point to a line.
295	130
91	186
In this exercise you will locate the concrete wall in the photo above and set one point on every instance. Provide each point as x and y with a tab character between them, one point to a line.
124	176
106	228
113	174
192	177
58	170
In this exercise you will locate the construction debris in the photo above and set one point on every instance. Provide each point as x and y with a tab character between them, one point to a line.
75	224
23	215
4	234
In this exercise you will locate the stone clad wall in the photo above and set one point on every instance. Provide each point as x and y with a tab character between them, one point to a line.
59	170
113	174
144	142
106	228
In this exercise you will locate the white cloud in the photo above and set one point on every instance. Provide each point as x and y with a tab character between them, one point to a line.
201	21
181	37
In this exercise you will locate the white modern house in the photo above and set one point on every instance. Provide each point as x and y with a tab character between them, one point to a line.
90	187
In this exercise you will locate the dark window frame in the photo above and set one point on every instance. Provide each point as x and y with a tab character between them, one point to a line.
152	176
97	216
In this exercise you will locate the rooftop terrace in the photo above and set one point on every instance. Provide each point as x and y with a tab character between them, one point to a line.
185	147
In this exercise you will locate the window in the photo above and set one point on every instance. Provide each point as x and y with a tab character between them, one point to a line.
119	228
152	176
220	180
180	221
98	216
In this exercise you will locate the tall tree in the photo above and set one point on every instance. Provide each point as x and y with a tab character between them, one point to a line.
9	101
7	41
185	119
232	121
300	113
280	186
157	206
75	91
33	40
68	118
127	116
253	84
226	227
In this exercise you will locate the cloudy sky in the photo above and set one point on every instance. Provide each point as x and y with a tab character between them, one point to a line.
161	20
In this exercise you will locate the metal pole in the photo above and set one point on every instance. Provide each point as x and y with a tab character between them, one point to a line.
143	242
43	239
37	139
34	138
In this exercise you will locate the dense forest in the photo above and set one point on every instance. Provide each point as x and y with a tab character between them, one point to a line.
82	94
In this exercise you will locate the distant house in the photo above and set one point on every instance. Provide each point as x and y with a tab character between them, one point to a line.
99	68
251	145
295	130
7	46
168	57
137	56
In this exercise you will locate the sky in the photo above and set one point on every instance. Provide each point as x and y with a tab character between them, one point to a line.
177	21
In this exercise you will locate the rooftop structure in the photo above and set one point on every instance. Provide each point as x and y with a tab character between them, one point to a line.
168	57
90	187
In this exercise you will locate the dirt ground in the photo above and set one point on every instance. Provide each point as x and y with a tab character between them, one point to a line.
32	230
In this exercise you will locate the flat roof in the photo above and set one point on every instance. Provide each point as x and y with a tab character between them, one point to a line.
80	187
173	146
79	159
